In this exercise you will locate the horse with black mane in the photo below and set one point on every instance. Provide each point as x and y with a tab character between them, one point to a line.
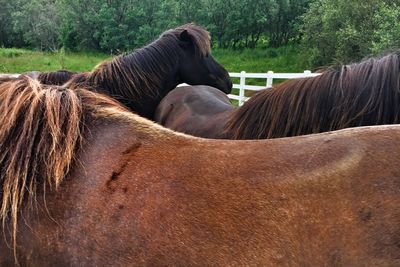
360	94
141	79
84	182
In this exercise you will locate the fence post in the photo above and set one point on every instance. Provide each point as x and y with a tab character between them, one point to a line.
241	89
270	79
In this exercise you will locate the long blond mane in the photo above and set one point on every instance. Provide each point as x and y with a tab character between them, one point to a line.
41	128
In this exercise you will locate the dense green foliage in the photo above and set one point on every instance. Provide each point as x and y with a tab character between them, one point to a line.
113	26
343	30
330	30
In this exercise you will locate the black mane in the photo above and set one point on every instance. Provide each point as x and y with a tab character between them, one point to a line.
360	94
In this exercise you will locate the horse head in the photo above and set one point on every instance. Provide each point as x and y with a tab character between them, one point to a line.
197	65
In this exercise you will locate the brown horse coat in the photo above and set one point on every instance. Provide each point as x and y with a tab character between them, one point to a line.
196	110
141	195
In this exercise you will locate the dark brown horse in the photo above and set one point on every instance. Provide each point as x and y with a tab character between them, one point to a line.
197	110
365	93
86	183
141	79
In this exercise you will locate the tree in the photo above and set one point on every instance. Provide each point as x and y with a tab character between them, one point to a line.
7	36
344	31
236	23
80	27
38	22
387	34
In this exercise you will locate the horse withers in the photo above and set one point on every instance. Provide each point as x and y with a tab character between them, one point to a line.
84	182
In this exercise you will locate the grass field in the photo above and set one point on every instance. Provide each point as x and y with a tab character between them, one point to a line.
14	60
284	59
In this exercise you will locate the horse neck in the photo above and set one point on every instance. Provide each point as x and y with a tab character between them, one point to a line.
138	80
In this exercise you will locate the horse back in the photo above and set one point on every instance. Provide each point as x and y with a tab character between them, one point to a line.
197	110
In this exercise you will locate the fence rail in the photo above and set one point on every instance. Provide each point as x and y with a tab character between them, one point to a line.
11	75
268	77
242	86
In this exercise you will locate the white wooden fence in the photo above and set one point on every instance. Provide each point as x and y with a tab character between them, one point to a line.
268	77
10	75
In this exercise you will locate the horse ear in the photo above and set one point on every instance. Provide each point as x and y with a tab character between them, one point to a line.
185	37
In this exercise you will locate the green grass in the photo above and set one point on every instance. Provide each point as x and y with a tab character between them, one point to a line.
284	59
14	60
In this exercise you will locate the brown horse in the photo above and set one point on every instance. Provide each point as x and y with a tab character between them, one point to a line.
141	79
197	110
365	93
86	183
